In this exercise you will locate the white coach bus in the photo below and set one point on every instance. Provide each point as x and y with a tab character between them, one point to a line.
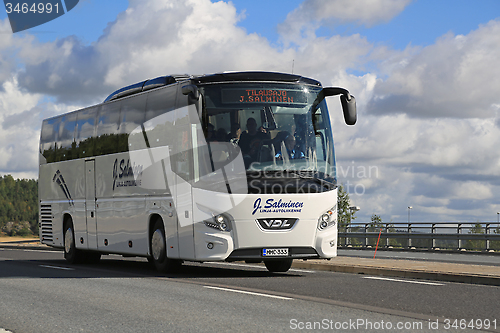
221	167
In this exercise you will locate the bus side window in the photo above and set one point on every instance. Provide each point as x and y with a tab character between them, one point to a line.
160	101
48	138
85	129
158	122
132	116
324	146
320	146
66	137
108	123
181	144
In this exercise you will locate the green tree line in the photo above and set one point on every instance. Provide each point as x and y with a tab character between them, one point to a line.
18	203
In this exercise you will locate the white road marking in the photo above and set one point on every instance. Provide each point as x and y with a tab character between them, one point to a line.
399	280
301	270
57	267
45	251
248	292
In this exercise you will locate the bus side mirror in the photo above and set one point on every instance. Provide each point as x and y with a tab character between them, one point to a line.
193	94
348	102
192	91
349	108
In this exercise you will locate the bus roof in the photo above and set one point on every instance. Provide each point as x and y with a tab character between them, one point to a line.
255	76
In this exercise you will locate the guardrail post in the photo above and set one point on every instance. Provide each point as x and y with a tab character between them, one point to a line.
486	232
387	233
433	239
347	230
459	232
365	239
409	235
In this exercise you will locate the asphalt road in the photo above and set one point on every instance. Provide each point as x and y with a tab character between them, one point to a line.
40	292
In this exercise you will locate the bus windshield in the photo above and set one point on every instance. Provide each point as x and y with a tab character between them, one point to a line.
282	132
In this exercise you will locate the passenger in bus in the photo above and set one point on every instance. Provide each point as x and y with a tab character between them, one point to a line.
221	135
234	136
210	134
292	151
250	142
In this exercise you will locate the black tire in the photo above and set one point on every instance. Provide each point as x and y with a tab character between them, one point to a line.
158	247
92	257
71	254
278	266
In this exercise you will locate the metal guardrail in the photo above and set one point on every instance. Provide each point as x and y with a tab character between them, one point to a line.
432	236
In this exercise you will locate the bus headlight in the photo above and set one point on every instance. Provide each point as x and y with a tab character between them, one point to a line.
220	222
328	219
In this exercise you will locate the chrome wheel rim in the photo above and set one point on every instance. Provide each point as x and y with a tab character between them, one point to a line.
68	240
157	245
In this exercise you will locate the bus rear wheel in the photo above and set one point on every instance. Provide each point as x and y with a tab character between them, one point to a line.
278	266
92	257
158	246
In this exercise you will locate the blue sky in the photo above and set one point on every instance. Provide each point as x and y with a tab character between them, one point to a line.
426	75
421	23
87	21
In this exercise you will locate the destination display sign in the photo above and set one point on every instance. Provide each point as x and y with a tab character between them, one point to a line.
251	95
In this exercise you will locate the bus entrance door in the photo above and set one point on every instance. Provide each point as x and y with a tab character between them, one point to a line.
184	208
181	162
90	204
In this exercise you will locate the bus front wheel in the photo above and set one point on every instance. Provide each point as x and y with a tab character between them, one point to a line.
278	266
158	246
71	254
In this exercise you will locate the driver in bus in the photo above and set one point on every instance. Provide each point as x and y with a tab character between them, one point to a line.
290	146
250	142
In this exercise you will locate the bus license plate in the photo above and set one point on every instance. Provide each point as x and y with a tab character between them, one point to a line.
283	252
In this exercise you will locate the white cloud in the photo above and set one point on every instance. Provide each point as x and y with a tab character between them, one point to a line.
18	151
21	114
311	14
156	38
450	166
432	124
149	39
458	76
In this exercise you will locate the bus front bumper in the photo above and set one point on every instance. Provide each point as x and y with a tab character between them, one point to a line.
257	254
